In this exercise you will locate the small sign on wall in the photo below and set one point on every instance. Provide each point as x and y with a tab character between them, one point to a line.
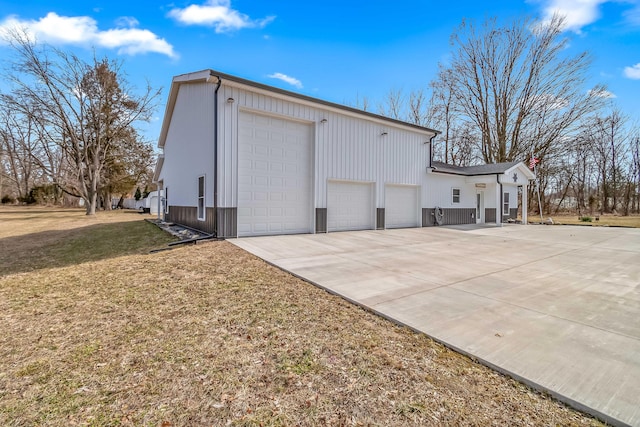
481	185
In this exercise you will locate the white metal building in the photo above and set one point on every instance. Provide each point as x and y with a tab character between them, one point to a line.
244	159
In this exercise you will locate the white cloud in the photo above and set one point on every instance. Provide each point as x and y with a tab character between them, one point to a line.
288	79
83	31
632	72
549	102
633	15
127	21
218	14
602	93
580	13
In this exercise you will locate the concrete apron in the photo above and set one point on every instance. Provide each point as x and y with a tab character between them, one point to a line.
556	307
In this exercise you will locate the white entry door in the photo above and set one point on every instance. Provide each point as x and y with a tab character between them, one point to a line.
274	176
479	207
401	206
350	206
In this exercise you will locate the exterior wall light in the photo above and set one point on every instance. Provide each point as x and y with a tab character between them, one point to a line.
323	121
384	133
230	100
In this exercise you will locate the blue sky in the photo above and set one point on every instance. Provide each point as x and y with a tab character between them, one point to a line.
335	50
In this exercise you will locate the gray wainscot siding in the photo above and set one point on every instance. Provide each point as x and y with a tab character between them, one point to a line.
490	215
452	216
188	216
321	220
227	222
380	219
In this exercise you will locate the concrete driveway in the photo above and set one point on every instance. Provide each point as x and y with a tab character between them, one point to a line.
557	307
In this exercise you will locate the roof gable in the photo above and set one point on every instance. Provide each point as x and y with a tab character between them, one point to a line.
488	169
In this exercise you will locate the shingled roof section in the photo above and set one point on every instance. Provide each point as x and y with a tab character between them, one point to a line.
491	169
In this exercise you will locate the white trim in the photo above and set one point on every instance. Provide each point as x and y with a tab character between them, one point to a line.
275	115
453	195
480	214
202	210
505	202
323	107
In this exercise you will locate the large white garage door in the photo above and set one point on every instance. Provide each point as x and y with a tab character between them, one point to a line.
401	206
349	206
274	176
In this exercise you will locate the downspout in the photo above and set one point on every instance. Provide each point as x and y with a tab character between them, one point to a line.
431	150
499	207
215	158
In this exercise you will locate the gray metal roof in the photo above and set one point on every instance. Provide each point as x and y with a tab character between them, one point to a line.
490	169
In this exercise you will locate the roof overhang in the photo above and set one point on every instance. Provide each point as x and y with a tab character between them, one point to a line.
211	76
482	172
158	169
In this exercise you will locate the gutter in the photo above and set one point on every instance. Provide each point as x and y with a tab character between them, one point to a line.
431	150
215	157
499	207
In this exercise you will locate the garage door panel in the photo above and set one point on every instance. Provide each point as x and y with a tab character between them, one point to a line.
401	206
350	206
274	176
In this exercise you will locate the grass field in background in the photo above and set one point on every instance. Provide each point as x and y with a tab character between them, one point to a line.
596	220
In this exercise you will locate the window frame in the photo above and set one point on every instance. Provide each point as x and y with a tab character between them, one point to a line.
454	195
201	201
505	203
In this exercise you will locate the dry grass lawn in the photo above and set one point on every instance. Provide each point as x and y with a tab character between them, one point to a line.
97	331
603	220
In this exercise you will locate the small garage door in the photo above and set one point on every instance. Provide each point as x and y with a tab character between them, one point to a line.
274	176
349	206
401	206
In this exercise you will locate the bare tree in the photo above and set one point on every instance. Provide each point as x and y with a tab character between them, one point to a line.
393	104
361	103
634	172
86	109
517	87
459	138
419	112
607	139
20	141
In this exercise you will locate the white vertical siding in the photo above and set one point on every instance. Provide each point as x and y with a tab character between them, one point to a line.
439	191
189	145
346	147
513	195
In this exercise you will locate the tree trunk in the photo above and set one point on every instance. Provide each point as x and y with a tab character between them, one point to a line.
107	201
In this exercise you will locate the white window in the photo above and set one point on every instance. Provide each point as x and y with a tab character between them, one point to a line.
505	204
455	195
201	205
166	200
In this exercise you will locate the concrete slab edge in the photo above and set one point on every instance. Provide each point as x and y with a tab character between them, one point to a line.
531	384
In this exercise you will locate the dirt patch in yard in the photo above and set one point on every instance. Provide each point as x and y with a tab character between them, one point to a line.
211	335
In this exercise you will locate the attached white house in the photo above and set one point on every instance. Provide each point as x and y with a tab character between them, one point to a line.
244	159
491	193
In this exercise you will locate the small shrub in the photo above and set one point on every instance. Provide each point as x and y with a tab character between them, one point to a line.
7	199
585	219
